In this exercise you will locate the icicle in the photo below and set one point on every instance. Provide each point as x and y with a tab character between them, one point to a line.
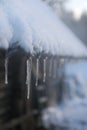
6	71
27	72
37	71
62	61
50	67
28	77
55	69
44	69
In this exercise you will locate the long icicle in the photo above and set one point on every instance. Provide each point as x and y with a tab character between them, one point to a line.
6	70
44	69
28	77
50	67
55	69
37	71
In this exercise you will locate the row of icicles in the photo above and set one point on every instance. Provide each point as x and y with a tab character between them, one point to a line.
52	72
53	65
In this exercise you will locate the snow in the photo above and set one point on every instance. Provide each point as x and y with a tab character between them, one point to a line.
70	117
73	109
5	30
77	80
32	25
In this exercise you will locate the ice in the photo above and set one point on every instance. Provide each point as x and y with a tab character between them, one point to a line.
28	76
6	71
44	69
32	25
37	71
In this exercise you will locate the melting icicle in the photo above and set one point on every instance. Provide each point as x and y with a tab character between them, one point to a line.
55	69
37	71
6	71
61	65
44	70
62	61
50	67
65	88
28	78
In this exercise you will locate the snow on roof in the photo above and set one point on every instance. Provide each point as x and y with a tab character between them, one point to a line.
33	25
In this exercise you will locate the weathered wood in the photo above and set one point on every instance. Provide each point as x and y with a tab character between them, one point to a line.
16	122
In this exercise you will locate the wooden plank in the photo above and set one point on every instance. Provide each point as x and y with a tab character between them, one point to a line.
15	122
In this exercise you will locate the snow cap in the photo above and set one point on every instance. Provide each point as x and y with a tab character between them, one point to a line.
34	26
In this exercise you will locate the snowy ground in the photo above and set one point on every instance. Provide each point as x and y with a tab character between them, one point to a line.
72	112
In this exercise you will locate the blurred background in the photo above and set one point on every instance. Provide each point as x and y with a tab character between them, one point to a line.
74	100
74	14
